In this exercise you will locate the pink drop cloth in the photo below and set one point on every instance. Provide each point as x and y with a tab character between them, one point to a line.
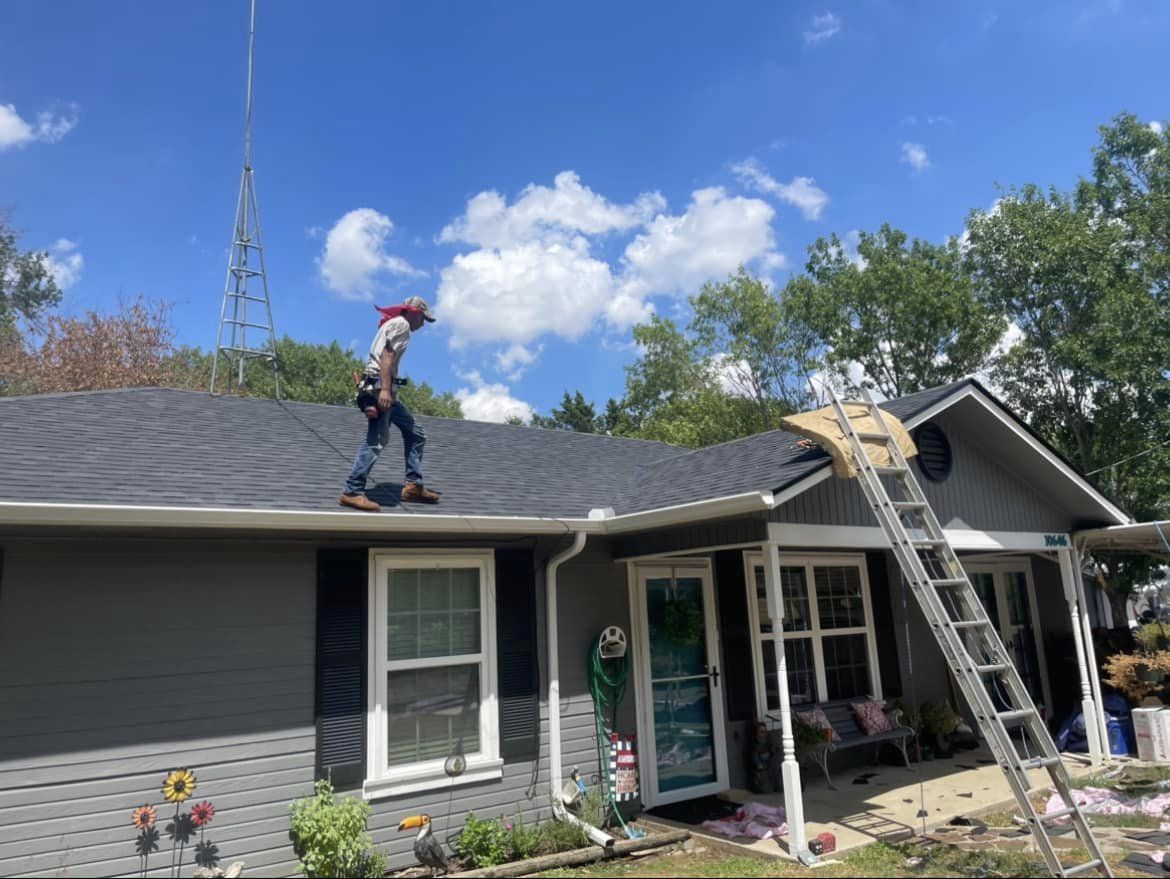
753	819
1100	801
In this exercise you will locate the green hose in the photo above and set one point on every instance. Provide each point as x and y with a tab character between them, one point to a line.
607	686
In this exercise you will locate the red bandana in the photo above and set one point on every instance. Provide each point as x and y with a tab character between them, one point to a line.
393	311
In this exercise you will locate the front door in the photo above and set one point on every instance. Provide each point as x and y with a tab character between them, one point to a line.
1010	601
680	698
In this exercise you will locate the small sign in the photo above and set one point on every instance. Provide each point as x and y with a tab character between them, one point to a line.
1056	540
623	768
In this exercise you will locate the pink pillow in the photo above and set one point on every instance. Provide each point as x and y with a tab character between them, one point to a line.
816	718
871	717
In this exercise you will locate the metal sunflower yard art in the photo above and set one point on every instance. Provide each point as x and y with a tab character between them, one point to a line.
177	787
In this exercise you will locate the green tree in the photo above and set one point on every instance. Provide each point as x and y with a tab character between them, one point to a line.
1088	370
575	413
422	399
27	288
908	312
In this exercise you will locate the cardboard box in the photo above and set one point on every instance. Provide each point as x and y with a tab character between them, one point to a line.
1151	729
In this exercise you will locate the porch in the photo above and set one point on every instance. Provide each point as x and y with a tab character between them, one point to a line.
885	807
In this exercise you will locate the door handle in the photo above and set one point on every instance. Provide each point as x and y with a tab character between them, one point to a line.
714	675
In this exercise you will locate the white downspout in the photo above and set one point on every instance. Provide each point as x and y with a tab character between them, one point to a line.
556	781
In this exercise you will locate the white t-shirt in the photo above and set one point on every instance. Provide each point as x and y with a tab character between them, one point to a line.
395	335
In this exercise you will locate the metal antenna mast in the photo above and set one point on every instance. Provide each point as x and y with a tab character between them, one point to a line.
246	262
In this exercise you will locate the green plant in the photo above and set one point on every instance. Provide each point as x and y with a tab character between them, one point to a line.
483	843
938	718
329	836
560	836
1152	637
806	737
523	840
908	716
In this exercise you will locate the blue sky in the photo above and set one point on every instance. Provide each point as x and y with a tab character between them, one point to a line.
544	173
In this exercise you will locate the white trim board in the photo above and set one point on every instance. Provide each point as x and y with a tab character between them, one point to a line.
859	537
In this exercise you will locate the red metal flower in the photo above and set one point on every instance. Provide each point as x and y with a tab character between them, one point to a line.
202	813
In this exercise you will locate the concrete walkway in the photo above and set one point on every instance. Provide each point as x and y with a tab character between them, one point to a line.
886	805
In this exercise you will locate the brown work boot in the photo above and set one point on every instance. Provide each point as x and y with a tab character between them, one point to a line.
359	502
413	492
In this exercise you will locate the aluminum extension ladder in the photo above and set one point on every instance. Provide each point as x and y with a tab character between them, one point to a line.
972	646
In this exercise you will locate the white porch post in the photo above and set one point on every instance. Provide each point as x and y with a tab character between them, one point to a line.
1090	651
1068	577
789	768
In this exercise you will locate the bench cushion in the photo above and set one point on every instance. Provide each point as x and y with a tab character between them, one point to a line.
871	717
815	717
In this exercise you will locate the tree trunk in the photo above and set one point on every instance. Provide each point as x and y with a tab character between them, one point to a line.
1118	603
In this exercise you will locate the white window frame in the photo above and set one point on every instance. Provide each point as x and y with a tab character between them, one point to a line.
483	765
754	559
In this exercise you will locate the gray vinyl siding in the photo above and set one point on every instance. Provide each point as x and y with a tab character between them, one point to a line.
684	538
980	491
120	660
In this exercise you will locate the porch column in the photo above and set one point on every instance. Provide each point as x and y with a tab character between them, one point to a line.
789	768
1070	578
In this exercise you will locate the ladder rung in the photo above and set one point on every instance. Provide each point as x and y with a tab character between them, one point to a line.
856	403
992	668
969	624
1057	815
1040	763
928	541
1081	868
871	435
888	471
909	505
949	581
1017	714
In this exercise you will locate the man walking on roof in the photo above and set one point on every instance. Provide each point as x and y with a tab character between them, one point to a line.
386	353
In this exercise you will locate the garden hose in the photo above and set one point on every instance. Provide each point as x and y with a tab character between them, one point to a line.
607	685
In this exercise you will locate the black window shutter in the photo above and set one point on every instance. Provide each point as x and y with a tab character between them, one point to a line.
342	587
516	646
739	673
883	597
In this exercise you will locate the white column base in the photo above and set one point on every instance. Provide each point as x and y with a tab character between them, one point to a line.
794	812
1098	750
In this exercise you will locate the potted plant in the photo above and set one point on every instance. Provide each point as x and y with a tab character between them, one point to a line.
939	721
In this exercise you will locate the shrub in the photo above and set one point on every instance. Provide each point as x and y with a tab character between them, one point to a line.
329	836
1152	637
938	718
523	841
483	843
560	836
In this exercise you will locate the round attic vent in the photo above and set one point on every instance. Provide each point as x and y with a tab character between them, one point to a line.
934	452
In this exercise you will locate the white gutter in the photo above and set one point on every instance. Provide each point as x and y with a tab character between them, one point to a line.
241	519
555	769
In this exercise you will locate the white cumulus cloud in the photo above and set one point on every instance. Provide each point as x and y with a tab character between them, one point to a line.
354	261
65	263
515	360
823	27
802	192
490	402
555	214
714	236
914	155
48	127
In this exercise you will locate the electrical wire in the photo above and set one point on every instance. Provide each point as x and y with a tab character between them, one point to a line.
1153	448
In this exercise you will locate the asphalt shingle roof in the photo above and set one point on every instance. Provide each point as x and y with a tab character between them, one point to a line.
165	447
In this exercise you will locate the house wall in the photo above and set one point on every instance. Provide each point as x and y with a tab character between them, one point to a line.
980	491
121	659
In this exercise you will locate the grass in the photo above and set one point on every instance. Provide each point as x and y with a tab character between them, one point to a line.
879	859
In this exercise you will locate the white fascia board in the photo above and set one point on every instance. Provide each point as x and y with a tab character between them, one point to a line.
124	516
738	504
859	537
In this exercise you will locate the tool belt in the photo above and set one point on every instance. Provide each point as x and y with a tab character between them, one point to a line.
369	386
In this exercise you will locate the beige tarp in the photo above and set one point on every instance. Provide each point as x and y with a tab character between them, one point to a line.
821	426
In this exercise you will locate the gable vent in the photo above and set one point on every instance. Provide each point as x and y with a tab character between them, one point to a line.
934	452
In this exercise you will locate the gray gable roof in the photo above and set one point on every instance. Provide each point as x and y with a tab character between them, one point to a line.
166	447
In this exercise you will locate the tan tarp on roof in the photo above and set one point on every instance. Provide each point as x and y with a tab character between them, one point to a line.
821	426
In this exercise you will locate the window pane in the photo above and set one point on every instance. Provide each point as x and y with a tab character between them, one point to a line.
678	638
794	589
846	666
802	687
683	734
839	600
433	612
433	713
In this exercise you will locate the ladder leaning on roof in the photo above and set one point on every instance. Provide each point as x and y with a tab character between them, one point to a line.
972	647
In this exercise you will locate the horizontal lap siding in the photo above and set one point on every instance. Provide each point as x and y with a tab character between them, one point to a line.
980	491
122	660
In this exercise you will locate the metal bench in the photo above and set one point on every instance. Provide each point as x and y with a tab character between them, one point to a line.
840	714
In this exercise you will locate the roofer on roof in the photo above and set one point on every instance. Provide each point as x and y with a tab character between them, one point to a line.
377	399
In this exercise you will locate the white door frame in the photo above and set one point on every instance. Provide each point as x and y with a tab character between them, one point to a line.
998	570
647	753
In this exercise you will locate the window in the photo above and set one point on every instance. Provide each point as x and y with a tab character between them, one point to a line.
829	644
432	669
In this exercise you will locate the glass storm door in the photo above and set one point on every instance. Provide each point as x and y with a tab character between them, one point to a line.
1008	597
682	748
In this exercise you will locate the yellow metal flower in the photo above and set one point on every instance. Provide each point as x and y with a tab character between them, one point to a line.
179	785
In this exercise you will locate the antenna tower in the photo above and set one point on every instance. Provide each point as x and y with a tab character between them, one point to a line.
247	282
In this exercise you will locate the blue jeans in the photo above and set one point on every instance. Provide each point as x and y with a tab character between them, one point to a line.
377	434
